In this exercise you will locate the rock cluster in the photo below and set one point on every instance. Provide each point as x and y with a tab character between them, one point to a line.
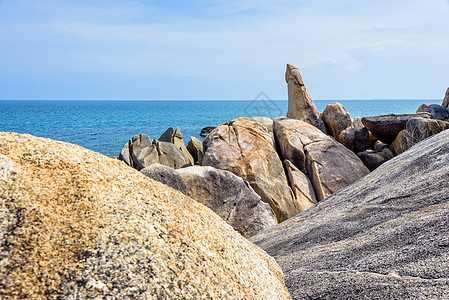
78	225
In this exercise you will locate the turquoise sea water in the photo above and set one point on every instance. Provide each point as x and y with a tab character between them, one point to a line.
105	126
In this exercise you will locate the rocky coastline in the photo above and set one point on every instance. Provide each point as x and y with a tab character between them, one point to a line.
349	209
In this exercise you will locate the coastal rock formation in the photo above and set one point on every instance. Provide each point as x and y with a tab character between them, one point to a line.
300	103
372	160
355	137
265	121
387	127
301	186
229	197
417	129
78	225
206	130
384	237
329	165
195	147
245	148
437	111
174	136
165	175
336	119
446	99
140	152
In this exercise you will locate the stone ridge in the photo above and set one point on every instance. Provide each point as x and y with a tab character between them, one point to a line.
76	224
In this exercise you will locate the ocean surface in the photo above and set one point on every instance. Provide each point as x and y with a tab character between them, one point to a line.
105	126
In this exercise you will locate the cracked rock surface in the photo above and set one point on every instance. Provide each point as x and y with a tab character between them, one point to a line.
384	237
75	224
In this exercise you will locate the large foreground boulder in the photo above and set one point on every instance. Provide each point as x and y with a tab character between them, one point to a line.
329	165
384	237
300	103
387	127
245	148
229	197
78	225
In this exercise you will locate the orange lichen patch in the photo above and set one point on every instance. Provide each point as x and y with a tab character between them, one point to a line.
77	224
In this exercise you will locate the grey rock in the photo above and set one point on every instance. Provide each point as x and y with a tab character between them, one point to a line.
174	136
355	137
336	119
195	147
384	237
165	175
300	103
230	197
140	152
167	136
379	146
206	130
329	165
245	148
372	160
387	127
437	111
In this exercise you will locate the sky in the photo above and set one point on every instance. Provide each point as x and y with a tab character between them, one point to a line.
222	49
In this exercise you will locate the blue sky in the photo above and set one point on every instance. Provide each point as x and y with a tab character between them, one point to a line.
217	49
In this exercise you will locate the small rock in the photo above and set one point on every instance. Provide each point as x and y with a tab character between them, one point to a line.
195	147
437	111
336	119
372	160
206	130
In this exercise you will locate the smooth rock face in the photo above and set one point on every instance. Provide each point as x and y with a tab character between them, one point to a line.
329	165
229	197
245	148
387	127
140	152
446	99
384	237
165	175
437	111
301	186
195	147
78	225
417	129
265	121
174	136
167	136
372	160
300	103
336	118
206	130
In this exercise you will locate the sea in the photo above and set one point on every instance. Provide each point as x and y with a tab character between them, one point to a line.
106	126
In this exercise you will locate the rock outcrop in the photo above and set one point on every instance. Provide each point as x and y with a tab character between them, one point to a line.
265	121
384	237
416	130
140	152
195	147
336	119
78	225
300	103
229	197
445	103
437	111
387	127
174	136
165	175
301	186
245	148
206	130
329	165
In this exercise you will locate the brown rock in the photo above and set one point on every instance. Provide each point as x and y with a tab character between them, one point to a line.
78	225
245	148
174	136
300	103
301	186
195	147
387	127
446	99
336	119
229	197
265	121
329	165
